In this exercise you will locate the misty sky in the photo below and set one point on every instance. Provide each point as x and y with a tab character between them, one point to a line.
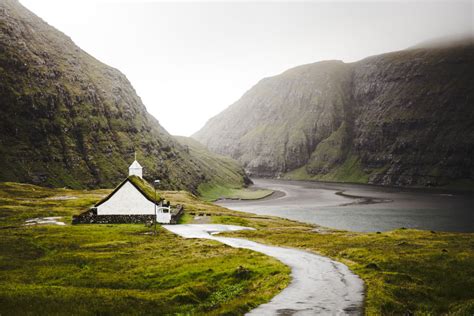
189	60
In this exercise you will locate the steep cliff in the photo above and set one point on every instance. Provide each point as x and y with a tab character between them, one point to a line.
67	119
403	118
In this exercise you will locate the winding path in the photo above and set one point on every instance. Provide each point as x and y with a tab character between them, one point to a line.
319	285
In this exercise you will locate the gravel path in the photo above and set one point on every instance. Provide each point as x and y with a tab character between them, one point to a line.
319	285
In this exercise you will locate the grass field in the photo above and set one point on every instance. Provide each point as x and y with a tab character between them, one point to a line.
113	269
405	271
118	269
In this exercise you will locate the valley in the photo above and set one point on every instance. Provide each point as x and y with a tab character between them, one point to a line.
402	118
334	187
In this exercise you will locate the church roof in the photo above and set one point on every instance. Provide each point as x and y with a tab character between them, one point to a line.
141	185
135	165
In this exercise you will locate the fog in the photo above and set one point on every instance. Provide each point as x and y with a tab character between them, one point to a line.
189	60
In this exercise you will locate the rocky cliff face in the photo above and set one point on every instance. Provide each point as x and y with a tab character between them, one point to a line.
403	118
67	119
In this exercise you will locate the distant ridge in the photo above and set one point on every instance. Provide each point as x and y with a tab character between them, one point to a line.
401	118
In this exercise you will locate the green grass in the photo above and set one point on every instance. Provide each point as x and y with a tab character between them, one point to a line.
405	271
349	171
227	180
118	269
113	269
212	193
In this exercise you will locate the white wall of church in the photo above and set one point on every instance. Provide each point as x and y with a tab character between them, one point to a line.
127	201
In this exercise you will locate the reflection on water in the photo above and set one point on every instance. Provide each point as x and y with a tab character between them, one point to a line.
363	208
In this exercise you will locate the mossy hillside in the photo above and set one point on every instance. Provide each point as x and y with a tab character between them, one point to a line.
276	125
405	270
69	120
351	171
222	170
330	152
227	177
406	116
118	269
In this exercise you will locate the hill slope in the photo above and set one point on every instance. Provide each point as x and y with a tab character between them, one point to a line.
403	118
67	119
222	170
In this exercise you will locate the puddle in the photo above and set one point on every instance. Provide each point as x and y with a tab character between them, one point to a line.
44	221
61	198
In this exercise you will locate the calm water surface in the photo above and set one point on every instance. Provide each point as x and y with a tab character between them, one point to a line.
363	208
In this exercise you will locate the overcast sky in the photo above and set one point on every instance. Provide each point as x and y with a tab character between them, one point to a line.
190	60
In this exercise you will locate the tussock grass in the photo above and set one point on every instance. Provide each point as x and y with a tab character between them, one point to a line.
118	269
97	269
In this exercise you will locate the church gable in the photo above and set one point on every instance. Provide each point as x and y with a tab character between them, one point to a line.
141	185
127	199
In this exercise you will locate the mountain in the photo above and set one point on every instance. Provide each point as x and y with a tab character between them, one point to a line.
222	170
402	118
66	119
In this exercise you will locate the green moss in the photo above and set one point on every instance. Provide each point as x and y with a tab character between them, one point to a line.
145	188
298	174
142	185
214	192
350	171
329	152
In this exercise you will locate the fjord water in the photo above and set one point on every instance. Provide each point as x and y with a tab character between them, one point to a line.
362	208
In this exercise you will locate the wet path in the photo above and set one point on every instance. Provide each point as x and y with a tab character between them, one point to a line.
319	285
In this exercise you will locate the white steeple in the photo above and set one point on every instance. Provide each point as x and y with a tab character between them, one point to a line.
135	169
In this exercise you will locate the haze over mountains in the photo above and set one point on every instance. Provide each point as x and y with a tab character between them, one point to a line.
402	118
67	119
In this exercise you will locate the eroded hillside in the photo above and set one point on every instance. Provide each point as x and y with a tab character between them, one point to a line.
403	118
66	119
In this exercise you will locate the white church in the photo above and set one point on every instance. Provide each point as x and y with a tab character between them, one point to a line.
133	197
